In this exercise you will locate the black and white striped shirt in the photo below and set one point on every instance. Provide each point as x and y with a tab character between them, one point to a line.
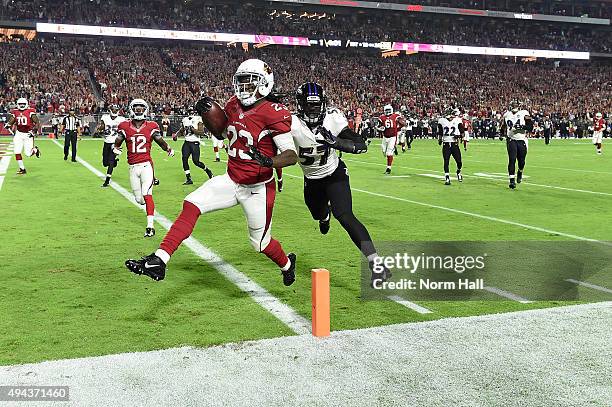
71	123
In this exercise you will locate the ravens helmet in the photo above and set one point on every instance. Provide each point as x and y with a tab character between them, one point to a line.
311	103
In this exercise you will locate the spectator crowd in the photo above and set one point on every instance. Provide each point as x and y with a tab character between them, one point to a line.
371	26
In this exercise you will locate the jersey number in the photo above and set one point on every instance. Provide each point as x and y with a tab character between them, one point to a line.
449	131
388	123
22	120
233	151
138	144
306	153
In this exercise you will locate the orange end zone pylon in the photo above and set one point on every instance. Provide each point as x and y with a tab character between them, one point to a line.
320	302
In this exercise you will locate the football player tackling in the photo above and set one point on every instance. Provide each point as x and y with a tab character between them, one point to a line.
257	127
138	134
318	131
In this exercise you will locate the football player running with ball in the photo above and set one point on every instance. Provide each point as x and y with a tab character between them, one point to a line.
318	131
516	125
257	127
193	129
138	133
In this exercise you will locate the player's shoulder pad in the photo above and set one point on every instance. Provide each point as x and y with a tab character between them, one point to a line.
335	121
277	112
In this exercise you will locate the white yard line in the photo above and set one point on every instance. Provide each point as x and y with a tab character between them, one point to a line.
476	215
484	177
260	295
507	294
589	285
409	304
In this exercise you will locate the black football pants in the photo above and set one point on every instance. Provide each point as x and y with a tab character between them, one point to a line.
335	191
448	150
517	151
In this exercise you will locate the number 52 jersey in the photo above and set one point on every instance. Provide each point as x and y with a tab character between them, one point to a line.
138	140
317	159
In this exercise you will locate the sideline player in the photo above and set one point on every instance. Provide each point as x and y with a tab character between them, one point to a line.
390	123
599	125
109	123
318	131
258	127
516	124
193	129
138	132
26	125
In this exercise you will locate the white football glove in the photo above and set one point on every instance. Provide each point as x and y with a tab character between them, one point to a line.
170	152
117	151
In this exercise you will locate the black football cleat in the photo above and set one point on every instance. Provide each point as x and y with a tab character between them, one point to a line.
155	181
379	277
289	275
188	182
447	181
209	173
279	185
324	226
37	153
22	171
150	265
459	177
149	232
512	184
388	171
217	160
519	177
105	185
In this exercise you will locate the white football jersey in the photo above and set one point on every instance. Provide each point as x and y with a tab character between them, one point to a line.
515	124
450	129
317	159
110	127
190	123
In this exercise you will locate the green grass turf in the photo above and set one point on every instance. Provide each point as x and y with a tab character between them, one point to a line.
64	239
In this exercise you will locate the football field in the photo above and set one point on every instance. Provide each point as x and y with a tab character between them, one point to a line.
64	240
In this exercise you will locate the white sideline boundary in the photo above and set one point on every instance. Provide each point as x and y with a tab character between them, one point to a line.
547	357
5	161
589	285
260	295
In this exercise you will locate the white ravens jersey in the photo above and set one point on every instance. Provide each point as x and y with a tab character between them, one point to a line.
450	129
110	127
317	159
190	123
515	124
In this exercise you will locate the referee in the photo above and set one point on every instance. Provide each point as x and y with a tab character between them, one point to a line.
71	128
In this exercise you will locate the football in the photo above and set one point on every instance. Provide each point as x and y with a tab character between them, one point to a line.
215	119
